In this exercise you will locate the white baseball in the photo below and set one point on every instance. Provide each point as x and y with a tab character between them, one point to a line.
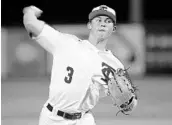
36	10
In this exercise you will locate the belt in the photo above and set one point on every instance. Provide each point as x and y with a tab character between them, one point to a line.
70	116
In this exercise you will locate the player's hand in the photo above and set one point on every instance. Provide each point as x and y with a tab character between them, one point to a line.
34	9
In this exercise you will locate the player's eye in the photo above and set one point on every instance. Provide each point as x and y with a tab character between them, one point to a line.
98	20
108	21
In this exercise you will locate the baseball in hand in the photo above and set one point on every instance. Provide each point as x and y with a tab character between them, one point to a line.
34	9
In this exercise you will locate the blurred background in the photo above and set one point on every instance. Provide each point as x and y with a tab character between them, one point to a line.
143	42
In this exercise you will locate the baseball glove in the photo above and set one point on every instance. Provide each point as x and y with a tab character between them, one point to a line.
122	91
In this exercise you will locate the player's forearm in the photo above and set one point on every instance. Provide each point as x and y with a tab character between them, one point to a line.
32	24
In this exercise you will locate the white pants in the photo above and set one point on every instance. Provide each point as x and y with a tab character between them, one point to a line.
47	118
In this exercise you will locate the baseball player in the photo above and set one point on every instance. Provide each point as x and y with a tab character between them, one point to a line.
72	92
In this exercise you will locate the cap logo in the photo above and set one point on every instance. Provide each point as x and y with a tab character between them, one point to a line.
103	8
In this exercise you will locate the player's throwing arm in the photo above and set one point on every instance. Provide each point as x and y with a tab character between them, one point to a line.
30	21
38	30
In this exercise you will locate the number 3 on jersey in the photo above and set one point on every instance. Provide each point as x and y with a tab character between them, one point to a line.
68	78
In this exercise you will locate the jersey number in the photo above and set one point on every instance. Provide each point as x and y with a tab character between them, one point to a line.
68	78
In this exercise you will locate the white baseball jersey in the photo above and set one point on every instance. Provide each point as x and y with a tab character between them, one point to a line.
75	61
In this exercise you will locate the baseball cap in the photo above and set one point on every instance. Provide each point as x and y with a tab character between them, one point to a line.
103	10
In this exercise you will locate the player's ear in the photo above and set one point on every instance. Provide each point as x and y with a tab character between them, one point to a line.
89	25
114	28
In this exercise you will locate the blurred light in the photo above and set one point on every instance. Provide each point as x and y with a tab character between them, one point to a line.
26	53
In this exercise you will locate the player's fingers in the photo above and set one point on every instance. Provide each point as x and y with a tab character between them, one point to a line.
36	9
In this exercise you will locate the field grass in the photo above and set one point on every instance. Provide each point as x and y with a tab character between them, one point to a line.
22	100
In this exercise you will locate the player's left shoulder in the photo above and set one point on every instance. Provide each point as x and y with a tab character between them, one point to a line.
113	55
117	59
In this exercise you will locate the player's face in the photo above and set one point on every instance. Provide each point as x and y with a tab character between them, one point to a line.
102	27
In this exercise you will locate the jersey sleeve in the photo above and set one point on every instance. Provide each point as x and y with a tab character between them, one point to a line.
51	39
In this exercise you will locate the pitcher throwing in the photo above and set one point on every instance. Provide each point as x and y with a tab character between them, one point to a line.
81	69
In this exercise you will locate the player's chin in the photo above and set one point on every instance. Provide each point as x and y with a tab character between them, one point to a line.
102	37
